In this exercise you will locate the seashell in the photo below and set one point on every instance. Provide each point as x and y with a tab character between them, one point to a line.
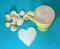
7	24
7	17
13	13
22	13
17	15
19	21
13	28
13	23
25	17
14	18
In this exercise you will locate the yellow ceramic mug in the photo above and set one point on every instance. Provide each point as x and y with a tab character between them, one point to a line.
43	17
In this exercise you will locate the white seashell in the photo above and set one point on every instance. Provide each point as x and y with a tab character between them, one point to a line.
7	24
17	15
13	23
7	17
19	21
14	18
25	17
13	28
22	13
13	13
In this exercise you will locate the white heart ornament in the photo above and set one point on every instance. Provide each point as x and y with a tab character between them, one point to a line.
27	36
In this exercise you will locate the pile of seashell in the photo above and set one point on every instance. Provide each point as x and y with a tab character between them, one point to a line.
15	19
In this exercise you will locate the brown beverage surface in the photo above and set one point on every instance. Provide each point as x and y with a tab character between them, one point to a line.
44	14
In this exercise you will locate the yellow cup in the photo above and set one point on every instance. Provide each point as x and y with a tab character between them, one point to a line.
43	19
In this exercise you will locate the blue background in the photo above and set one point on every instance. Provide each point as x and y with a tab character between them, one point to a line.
44	40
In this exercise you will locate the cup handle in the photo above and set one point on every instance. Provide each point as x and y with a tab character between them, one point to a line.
30	16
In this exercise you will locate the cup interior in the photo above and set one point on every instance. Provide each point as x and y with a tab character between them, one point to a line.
44	14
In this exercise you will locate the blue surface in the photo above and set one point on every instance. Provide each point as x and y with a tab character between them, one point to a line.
44	40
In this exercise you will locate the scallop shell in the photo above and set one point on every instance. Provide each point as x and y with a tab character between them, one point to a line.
25	17
22	13
14	18
13	28
7	24
7	17
13	12
13	23
19	21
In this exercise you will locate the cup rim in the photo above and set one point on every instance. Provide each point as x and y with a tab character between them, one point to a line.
52	10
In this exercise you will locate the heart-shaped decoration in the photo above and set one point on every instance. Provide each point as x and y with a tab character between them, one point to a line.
27	36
